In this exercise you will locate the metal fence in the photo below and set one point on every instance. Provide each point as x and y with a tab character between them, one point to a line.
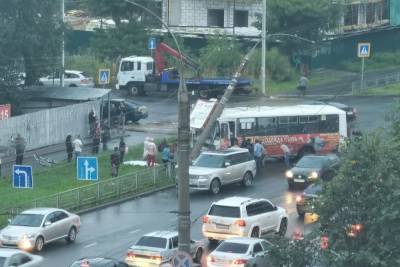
99	193
358	88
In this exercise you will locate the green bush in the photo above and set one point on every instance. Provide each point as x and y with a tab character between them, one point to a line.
278	65
377	61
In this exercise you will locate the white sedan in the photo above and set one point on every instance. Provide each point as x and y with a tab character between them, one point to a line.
14	257
72	78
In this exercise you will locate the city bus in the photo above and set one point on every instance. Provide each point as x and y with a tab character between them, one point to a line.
304	129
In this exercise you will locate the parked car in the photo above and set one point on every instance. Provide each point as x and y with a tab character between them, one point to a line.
213	169
72	78
158	248
34	228
351	112
98	262
133	111
240	251
305	203
311	168
14	257
243	217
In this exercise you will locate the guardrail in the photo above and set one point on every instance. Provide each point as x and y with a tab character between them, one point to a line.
99	193
382	81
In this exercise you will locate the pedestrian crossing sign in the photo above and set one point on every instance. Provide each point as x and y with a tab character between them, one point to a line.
104	76
364	49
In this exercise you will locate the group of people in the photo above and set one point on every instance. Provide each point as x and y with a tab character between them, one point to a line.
150	152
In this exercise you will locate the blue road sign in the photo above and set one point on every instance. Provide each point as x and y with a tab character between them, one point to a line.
152	43
364	49
87	169
182	259
104	76
22	176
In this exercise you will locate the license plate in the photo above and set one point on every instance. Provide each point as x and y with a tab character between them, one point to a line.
222	226
193	182
299	180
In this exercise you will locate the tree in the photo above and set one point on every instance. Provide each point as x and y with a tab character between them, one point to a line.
120	10
31	32
308	19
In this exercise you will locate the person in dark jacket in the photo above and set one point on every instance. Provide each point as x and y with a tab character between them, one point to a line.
69	147
19	149
92	122
96	141
122	149
115	161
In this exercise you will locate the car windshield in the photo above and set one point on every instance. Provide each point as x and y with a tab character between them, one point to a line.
31	220
224	211
2	261
235	248
209	161
313	189
152	241
85	74
310	162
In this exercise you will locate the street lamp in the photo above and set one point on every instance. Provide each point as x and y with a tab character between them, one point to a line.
183	146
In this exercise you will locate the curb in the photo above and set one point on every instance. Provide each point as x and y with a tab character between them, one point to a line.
122	200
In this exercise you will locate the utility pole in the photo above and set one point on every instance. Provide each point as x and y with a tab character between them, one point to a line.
264	49
62	45
221	104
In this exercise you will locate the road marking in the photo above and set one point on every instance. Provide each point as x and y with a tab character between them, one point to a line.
134	231
91	245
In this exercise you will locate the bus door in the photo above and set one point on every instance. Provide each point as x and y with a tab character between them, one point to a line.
225	135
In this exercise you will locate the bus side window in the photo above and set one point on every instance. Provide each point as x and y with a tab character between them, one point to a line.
224	131
267	126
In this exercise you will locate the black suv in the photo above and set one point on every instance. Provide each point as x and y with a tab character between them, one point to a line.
133	111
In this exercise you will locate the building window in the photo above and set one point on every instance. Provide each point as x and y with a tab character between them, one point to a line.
215	18
241	18
351	15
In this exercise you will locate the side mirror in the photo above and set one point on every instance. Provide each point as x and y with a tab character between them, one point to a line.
47	223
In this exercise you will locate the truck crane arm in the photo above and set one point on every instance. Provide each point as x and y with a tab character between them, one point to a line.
161	61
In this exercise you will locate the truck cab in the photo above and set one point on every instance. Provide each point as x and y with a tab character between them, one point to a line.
133	72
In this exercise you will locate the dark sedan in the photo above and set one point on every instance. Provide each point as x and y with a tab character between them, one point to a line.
133	111
305	203
311	168
99	262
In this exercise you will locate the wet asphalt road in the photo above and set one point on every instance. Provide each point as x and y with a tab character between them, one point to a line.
110	231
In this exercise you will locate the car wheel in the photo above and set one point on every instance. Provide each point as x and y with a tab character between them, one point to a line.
215	187
283	227
255	233
71	235
247	179
135	90
73	85
39	244
199	254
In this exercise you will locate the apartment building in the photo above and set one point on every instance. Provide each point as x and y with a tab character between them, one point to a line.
207	17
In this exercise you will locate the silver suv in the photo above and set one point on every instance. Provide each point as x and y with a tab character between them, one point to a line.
212	169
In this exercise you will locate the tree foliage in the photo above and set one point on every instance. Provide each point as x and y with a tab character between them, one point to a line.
30	31
308	19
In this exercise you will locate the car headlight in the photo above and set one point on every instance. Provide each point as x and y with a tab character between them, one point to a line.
313	175
142	109
289	174
203	177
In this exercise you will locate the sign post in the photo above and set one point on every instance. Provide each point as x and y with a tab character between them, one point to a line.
364	50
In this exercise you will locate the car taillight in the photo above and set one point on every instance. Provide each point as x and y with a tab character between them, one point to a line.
156	259
130	255
299	198
85	81
210	259
239	261
85	264
206	219
240	223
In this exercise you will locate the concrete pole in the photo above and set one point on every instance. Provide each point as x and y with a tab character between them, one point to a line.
183	147
62	46
264	49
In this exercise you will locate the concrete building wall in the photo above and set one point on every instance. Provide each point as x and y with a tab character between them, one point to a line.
50	126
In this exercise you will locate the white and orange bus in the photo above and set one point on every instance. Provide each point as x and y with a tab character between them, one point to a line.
303	128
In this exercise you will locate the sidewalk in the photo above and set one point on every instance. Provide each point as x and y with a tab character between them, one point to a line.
58	152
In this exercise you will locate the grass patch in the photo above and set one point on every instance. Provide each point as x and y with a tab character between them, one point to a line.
393	89
378	61
62	177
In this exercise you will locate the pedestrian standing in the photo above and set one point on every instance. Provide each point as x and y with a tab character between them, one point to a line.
122	149
77	146
258	154
166	155
151	153
92	122
250	147
286	155
69	147
115	161
303	84
19	149
96	141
